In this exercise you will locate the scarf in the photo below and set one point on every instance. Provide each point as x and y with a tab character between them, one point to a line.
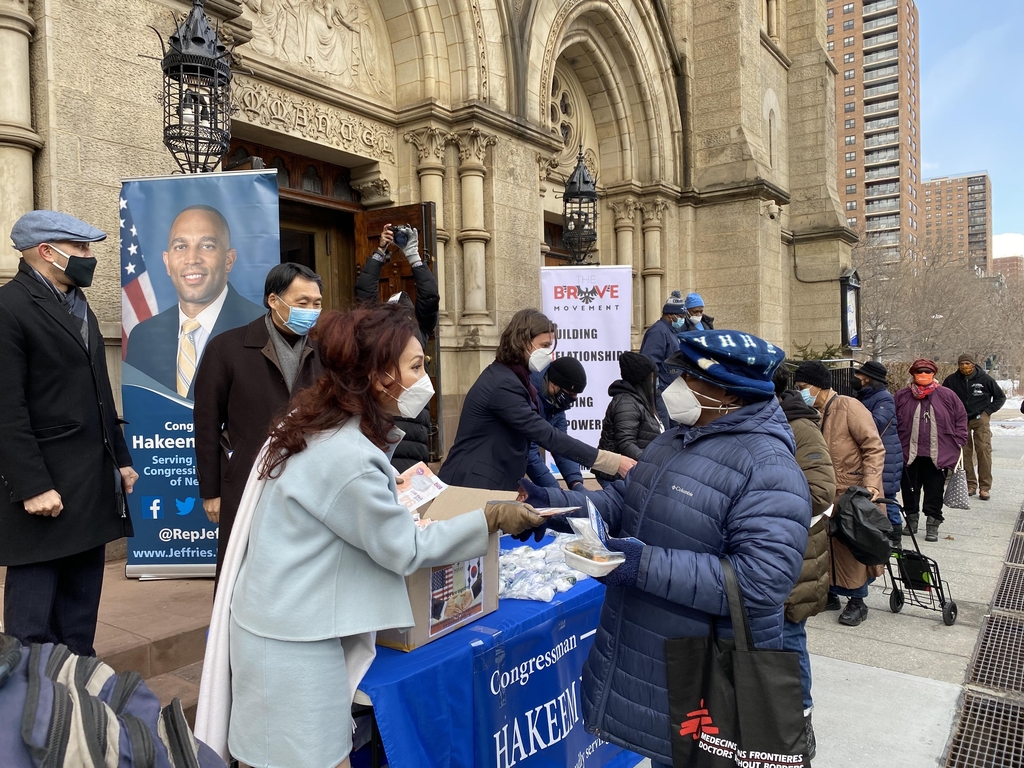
523	375
919	392
933	433
73	301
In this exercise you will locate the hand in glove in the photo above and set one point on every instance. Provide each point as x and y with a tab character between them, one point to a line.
533	494
626	574
511	517
412	248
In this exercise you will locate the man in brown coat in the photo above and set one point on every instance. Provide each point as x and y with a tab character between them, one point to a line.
858	458
811	590
245	380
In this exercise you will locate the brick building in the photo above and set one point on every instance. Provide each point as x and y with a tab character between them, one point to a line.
874	45
958	217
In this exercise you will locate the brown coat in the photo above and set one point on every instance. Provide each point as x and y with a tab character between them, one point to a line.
239	390
858	457
811	589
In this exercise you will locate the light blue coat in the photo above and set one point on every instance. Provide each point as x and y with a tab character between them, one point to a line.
330	545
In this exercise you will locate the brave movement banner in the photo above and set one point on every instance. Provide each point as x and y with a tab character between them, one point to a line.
195	251
593	309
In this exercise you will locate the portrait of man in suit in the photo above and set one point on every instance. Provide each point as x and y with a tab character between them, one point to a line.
199	258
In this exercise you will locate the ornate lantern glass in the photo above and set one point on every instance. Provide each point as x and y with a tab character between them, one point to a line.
197	93
579	212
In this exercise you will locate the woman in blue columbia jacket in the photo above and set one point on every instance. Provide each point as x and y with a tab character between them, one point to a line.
726	486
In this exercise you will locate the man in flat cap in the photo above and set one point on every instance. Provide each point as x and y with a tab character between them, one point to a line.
63	457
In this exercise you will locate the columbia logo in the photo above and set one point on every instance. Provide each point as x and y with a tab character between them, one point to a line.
682	490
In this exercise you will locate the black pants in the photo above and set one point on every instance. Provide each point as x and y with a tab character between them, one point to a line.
56	601
923	475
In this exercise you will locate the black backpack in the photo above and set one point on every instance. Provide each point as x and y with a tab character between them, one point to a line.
859	524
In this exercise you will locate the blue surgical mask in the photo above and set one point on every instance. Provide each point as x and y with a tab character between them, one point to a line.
300	319
678	324
808	397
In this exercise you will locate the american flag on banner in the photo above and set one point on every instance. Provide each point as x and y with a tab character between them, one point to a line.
138	302
441	586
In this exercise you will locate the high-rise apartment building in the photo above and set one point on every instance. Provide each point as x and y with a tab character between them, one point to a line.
1010	267
875	47
958	217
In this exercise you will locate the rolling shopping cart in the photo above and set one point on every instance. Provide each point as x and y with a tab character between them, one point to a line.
913	577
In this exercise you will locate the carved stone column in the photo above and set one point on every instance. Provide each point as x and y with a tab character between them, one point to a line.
653	271
18	142
473	144
431	143
773	21
624	229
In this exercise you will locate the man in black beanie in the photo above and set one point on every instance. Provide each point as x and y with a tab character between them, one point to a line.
558	386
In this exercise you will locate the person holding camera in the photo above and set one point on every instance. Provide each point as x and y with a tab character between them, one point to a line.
415	446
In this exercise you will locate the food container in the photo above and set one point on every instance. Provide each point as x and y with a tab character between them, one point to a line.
591	561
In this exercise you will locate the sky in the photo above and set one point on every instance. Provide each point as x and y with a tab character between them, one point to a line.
972	101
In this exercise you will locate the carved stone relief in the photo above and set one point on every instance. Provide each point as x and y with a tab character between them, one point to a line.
264	105
337	39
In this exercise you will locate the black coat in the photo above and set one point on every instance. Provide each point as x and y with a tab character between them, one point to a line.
59	429
239	391
415	446
497	425
630	423
153	344
979	393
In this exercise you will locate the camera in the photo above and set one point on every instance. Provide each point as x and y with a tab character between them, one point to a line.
773	211
403	233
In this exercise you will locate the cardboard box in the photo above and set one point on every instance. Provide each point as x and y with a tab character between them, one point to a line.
444	598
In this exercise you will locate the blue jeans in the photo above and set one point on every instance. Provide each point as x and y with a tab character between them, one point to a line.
894	514
794	638
860	592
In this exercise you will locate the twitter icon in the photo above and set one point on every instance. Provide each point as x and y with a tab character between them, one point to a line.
186	506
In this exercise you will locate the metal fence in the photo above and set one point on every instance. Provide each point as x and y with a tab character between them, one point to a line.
842	374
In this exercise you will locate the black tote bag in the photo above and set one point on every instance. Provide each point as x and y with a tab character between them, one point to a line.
731	704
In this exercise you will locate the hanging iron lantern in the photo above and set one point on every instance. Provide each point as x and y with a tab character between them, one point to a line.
197	93
579	212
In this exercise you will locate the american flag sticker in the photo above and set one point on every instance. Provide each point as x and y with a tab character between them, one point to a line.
456	594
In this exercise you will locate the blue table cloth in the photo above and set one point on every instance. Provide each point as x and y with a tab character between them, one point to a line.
436	706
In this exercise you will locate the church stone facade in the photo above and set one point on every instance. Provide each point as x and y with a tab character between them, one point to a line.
709	124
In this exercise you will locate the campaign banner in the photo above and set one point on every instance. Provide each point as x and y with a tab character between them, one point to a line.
593	308
195	252
528	694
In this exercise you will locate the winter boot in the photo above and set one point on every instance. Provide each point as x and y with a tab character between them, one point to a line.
854	613
932	533
833	604
912	519
896	537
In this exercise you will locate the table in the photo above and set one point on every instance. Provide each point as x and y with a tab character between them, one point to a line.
500	692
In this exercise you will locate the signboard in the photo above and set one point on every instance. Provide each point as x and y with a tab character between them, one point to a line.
528	694
592	307
195	251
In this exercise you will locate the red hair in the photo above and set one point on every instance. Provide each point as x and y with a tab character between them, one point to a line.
356	348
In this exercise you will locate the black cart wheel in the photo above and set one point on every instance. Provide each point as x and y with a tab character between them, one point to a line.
896	601
949	614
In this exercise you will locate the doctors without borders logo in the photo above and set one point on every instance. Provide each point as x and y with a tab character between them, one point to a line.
697	722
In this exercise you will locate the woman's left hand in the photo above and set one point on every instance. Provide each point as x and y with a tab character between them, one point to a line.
625	575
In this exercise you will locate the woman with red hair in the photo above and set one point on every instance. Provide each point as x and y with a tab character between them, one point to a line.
329	545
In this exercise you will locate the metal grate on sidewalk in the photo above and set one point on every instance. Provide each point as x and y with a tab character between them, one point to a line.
988	735
1019	528
999	661
1010	591
1015	555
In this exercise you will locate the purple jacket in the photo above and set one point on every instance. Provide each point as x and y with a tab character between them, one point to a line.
950	418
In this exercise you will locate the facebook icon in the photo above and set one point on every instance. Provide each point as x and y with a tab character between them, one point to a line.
152	507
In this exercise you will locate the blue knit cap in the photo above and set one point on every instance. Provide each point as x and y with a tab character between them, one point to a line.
739	363
694	300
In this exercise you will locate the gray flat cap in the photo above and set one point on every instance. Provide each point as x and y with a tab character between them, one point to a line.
37	227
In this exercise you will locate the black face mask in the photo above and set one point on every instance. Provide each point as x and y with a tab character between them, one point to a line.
563	401
79	269
857	385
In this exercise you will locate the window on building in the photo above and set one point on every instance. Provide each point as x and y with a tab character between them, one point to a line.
851	156
849	106
851	222
849	58
849	90
852	205
847	42
830	29
851	189
849	74
830	45
848	25
830	13
851	173
851	140
848	8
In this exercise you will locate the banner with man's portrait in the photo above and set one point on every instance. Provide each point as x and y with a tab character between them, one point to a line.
195	252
